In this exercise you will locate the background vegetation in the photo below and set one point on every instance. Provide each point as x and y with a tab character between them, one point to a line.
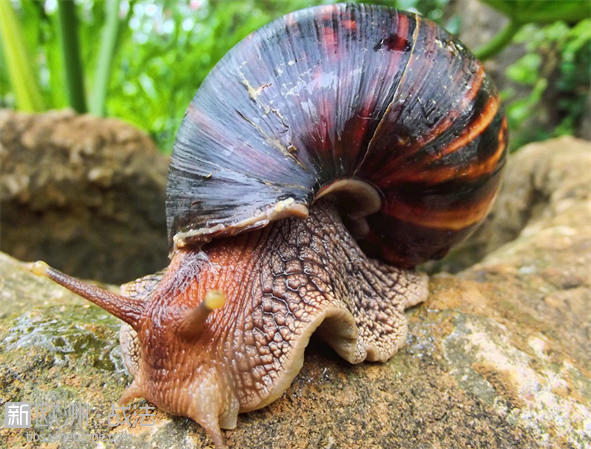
143	60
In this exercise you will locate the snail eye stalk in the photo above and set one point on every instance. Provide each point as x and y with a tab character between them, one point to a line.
193	321
126	309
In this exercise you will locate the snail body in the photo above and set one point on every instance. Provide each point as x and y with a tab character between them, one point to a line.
324	157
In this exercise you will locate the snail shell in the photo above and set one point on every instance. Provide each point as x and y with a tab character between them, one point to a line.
334	94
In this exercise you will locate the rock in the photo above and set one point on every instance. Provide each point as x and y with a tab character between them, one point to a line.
496	358
86	194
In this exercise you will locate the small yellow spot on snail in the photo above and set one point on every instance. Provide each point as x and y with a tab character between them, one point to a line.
214	299
40	268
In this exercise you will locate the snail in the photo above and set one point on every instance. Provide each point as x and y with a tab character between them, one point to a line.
321	160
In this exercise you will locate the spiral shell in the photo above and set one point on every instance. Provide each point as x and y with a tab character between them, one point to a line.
381	105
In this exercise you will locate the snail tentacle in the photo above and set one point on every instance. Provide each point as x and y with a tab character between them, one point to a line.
193	320
128	310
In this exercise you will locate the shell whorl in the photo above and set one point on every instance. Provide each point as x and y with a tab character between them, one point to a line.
346	91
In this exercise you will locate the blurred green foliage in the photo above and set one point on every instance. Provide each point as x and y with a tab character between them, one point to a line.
146	66
20	71
545	11
522	12
556	66
164	50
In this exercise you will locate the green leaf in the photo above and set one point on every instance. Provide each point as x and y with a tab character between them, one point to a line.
19	62
107	51
526	70
538	11
73	64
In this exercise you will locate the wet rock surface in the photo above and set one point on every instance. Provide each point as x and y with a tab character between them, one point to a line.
86	194
496	358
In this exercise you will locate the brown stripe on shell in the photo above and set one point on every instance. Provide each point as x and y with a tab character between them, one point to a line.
477	127
434	168
407	235
449	217
436	94
487	166
452	115
411	148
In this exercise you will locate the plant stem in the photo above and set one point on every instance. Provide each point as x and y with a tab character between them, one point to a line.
105	58
20	65
73	65
499	42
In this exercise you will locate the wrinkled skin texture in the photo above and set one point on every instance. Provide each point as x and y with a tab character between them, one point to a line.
282	283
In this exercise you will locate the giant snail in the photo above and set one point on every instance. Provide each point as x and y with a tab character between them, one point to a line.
323	157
